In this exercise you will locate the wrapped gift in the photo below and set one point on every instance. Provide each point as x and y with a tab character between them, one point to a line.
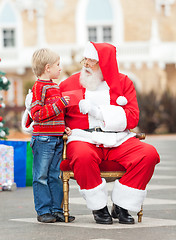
6	165
20	149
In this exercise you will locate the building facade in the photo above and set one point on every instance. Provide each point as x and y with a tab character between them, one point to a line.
143	31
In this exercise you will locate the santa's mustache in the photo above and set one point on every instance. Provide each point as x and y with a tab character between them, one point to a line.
86	69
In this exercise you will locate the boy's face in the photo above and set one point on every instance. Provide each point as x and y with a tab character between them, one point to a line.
54	70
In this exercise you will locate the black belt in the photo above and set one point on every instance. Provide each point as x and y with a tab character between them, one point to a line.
97	129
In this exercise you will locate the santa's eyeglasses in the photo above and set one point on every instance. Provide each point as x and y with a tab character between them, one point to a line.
88	61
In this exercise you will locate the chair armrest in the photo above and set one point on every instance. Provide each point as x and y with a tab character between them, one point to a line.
64	154
141	136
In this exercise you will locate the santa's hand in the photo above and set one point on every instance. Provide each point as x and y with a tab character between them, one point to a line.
96	113
84	106
28	100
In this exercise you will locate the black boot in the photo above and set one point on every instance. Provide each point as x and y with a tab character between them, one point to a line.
122	214
46	218
102	216
60	217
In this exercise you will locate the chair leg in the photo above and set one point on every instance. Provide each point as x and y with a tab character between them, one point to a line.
140	214
66	196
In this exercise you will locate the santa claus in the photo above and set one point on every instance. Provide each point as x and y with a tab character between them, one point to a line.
101	124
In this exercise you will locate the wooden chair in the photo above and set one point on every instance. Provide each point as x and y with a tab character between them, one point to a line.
109	170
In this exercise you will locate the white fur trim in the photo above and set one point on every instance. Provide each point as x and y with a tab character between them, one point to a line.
122	101
99	97
96	198
127	197
114	118
23	123
28	100
90	52
98	138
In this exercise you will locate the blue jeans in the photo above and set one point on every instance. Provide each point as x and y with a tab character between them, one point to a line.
47	186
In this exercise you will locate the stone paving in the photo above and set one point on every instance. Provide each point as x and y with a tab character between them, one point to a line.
18	218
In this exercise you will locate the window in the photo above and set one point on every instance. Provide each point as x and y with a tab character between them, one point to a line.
100	34
107	34
9	26
92	34
8	37
99	21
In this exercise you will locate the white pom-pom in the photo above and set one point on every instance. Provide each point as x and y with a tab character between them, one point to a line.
121	100
4	79
3	105
2	134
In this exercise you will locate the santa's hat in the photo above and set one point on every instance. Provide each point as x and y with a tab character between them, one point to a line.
90	52
105	53
27	122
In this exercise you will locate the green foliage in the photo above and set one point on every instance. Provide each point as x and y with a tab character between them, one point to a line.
156	112
6	132
28	85
168	111
4	85
4	82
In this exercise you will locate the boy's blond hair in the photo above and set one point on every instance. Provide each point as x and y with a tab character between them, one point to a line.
41	58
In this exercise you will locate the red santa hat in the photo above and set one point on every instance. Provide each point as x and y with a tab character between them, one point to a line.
27	123
105	53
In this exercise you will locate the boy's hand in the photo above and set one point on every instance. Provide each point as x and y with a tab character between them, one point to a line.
67	99
68	131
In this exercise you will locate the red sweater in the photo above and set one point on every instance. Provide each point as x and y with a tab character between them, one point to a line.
47	109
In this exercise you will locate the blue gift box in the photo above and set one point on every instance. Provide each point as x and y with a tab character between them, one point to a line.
20	157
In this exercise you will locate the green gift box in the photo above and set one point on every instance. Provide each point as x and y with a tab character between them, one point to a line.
29	163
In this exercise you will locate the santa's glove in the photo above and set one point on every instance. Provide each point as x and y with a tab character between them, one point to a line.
28	101
85	106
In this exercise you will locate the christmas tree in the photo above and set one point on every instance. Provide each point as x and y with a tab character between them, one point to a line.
4	85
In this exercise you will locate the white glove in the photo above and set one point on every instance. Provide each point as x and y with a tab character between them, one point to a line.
28	100
85	106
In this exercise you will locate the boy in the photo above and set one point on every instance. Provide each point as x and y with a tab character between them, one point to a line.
46	142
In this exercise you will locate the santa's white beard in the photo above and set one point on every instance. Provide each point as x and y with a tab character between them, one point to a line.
90	80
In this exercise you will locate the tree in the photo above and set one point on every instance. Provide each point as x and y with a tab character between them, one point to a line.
4	85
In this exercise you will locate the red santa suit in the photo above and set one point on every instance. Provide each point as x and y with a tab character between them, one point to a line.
115	99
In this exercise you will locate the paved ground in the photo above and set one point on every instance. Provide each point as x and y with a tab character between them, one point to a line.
18	218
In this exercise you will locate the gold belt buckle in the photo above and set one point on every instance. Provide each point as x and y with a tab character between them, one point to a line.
97	129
